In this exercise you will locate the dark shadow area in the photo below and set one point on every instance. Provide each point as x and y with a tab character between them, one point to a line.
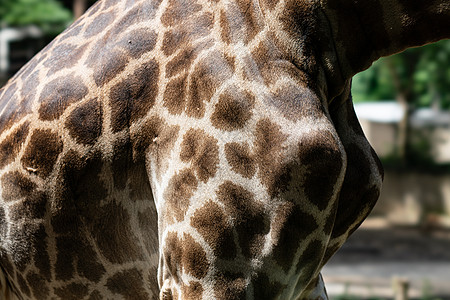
396	244
370	261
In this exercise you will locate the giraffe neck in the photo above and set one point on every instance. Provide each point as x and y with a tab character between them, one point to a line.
364	31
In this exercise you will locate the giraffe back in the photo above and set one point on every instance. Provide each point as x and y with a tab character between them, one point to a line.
175	149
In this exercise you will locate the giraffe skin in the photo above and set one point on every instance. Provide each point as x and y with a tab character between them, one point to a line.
178	149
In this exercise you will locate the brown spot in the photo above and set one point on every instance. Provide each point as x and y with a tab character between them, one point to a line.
264	288
240	22
113	234
23	286
249	218
16	186
31	70
29	79
296	102
30	67
207	76
110	3
6	262
32	207
322	156
79	177
174	95
263	56
9	96
3	224
78	195
38	286
273	173
152	281
138	42
73	291
225	31
309	261
178	11
11	145
40	255
73	30
64	56
99	24
122	164
42	152
22	243
167	295
106	60
138	13
132	98
59	94
184	59
193	291
233	109
202	151
230	286
212	224
178	193
300	22
148	225
194	259
289	228
75	254
13	107
181	36
231	61
85	122
240	159
172	253
253	20
185	254
95	295
270	4
128	284
157	137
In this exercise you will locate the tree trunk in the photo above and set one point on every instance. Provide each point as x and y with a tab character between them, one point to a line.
79	7
401	286
403	95
403	130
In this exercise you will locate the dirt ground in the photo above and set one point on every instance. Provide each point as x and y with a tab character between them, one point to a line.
378	252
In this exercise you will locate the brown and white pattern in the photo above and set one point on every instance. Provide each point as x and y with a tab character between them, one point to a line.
193	149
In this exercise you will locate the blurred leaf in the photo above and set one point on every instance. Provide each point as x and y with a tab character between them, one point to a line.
49	15
424	71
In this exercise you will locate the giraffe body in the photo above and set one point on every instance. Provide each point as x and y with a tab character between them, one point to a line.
175	149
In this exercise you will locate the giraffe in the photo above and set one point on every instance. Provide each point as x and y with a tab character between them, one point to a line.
193	149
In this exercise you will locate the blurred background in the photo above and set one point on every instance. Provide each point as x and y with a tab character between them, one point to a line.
26	26
402	251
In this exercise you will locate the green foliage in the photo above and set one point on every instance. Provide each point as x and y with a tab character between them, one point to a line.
49	15
424	74
374	84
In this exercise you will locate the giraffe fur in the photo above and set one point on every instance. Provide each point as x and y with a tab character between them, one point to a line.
192	149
